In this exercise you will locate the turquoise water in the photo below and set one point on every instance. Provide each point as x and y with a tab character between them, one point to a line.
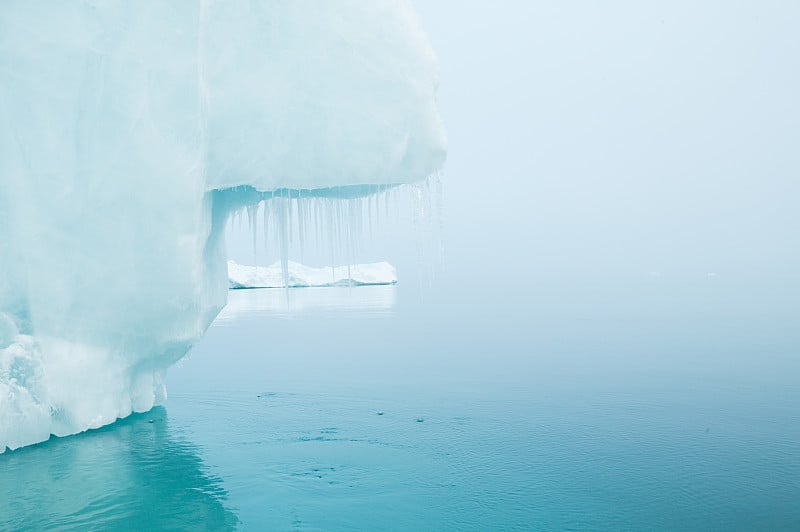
398	408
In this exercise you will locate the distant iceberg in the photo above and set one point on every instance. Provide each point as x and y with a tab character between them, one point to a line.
300	275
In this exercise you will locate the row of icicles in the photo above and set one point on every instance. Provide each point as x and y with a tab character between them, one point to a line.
289	221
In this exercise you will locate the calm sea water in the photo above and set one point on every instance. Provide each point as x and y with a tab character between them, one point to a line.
392	408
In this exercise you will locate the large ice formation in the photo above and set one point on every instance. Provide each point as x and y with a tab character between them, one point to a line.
128	134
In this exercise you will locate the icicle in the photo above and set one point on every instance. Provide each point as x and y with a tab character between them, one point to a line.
282	228
252	216
289	215
331	232
301	208
266	211
369	216
338	225
318	205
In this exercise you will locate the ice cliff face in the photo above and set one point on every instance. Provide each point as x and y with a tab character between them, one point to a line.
124	132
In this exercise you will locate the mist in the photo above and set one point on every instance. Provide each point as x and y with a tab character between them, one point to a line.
621	142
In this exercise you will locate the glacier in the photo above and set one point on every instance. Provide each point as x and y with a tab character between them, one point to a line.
302	276
129	135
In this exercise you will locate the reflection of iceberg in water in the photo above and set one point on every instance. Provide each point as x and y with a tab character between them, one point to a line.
253	304
132	472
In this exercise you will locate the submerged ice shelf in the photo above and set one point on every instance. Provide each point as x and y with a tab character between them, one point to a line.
302	276
129	135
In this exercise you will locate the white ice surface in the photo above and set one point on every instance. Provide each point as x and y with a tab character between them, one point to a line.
302	276
124	127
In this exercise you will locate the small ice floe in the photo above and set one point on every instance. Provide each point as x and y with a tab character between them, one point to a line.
296	275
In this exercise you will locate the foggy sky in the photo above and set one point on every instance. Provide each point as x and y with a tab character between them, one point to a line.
624	140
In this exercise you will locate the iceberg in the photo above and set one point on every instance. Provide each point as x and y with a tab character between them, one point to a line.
302	276
130	133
